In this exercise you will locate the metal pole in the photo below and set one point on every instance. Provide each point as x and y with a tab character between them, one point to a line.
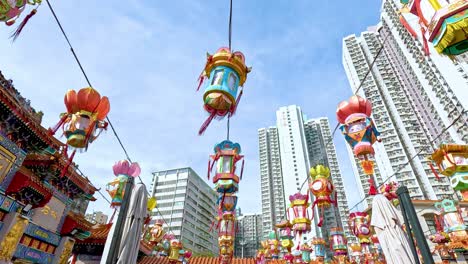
411	217
115	242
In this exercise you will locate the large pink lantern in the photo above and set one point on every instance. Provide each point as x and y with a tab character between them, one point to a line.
123	170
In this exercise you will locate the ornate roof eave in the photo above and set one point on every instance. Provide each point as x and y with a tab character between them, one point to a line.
7	99
82	182
25	178
60	161
75	221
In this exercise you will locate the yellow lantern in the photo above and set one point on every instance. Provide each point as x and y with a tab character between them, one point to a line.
452	161
152	203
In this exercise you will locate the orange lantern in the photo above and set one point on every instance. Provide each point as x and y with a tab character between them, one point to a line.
84	119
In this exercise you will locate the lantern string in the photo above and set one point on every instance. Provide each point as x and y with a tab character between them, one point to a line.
417	154
107	118
230	26
69	44
230	50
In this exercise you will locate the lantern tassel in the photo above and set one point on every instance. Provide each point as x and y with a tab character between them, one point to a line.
434	171
206	123
372	189
320	223
209	167
449	159
70	160
200	81
237	102
407	26
426	46
89	134
18	30
242	169
58	125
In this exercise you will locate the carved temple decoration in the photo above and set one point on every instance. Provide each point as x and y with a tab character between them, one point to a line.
67	250
10	241
28	189
77	226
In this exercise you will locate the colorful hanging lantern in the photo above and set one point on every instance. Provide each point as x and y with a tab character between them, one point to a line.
338	241
226	235
389	191
266	249
355	252
116	188
319	248
226	71
226	248
84	119
359	129
441	239
448	27
259	257
453	224
297	257
226	156
174	255
10	10
273	244
445	28
152	203
298	214
321	187
157	232
306	250
359	223
285	235
452	161
227	206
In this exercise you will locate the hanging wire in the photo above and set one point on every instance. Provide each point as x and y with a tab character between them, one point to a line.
404	165
230	25
107	118
230	50
69	44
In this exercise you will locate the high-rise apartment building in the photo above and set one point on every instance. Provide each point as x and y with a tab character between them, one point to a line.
403	110
295	163
97	217
273	199
321	150
248	236
188	206
292	148
436	86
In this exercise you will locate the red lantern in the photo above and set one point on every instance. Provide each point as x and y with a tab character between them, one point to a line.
359	129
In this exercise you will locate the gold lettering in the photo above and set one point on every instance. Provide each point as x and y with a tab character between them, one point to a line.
47	211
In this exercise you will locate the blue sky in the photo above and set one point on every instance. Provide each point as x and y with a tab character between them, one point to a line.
146	57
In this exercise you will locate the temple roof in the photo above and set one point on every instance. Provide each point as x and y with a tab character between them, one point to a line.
20	106
196	260
75	221
60	162
98	235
